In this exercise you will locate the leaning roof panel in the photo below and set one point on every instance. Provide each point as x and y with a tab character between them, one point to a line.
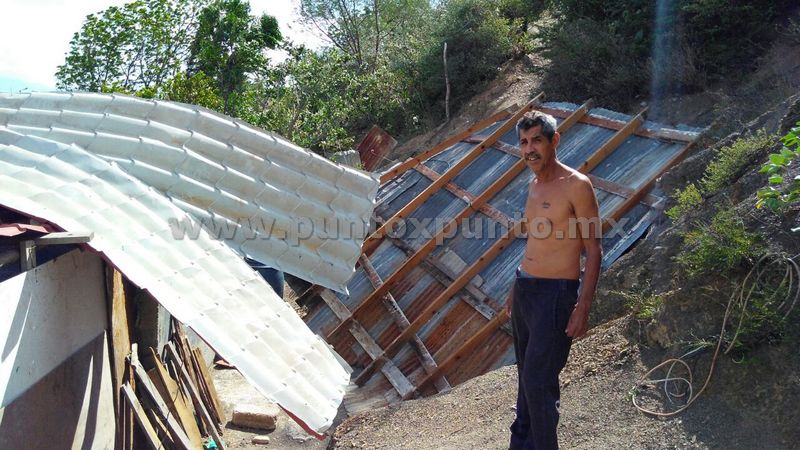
435	310
238	313
293	209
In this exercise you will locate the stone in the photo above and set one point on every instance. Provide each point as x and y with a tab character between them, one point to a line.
258	417
260	439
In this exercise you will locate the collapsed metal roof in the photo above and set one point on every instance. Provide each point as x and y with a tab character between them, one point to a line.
201	281
265	197
425	306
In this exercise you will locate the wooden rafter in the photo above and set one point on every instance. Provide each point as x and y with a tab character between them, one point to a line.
613	143
487	257
400	319
360	334
665	134
372	241
410	163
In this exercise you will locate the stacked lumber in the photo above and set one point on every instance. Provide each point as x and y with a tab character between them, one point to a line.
174	404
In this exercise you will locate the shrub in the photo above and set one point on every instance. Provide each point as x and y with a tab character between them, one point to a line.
687	200
719	246
644	305
732	160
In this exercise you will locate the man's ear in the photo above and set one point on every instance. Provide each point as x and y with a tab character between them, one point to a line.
556	139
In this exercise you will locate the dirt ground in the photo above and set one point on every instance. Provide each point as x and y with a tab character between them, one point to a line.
596	410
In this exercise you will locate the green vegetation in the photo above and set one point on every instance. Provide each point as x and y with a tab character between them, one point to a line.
774	197
726	167
644	305
688	199
719	246
385	65
732	160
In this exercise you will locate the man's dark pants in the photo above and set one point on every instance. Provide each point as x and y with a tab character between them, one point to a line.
539	316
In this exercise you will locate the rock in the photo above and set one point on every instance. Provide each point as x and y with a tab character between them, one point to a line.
260	439
259	417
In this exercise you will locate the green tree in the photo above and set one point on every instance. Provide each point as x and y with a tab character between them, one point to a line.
229	46
137	46
363	29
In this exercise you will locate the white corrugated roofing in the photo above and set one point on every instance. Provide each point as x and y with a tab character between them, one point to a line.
200	281
267	198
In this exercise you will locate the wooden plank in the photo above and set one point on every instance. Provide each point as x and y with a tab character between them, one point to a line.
177	433
372	241
488	256
199	407
209	383
203	390
141	417
392	373
410	163
119	319
63	238
615	141
173	396
468	346
400	319
663	133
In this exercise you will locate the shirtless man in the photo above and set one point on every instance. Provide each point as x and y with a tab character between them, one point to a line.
562	221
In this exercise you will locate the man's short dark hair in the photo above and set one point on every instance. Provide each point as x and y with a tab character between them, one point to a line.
535	118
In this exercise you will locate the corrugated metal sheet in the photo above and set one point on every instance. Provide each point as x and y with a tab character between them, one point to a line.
200	281
630	166
374	147
265	197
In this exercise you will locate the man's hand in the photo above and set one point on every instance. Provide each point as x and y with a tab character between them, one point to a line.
509	302
578	321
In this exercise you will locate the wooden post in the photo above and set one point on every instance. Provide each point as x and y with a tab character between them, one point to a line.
612	144
372	242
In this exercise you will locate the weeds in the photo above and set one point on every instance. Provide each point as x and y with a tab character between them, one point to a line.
644	305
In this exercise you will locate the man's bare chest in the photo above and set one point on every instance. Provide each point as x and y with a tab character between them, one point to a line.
549	204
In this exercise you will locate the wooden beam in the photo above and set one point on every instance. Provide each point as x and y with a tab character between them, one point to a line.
610	145
372	241
63	238
487	257
410	163
400	319
471	208
360	334
141	417
199	407
466	348
663	133
174	398
27	255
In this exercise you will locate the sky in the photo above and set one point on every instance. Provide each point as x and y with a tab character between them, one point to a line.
35	35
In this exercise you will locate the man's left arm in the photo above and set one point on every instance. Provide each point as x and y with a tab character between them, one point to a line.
586	211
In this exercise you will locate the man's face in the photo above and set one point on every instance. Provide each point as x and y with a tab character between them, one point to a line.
537	150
